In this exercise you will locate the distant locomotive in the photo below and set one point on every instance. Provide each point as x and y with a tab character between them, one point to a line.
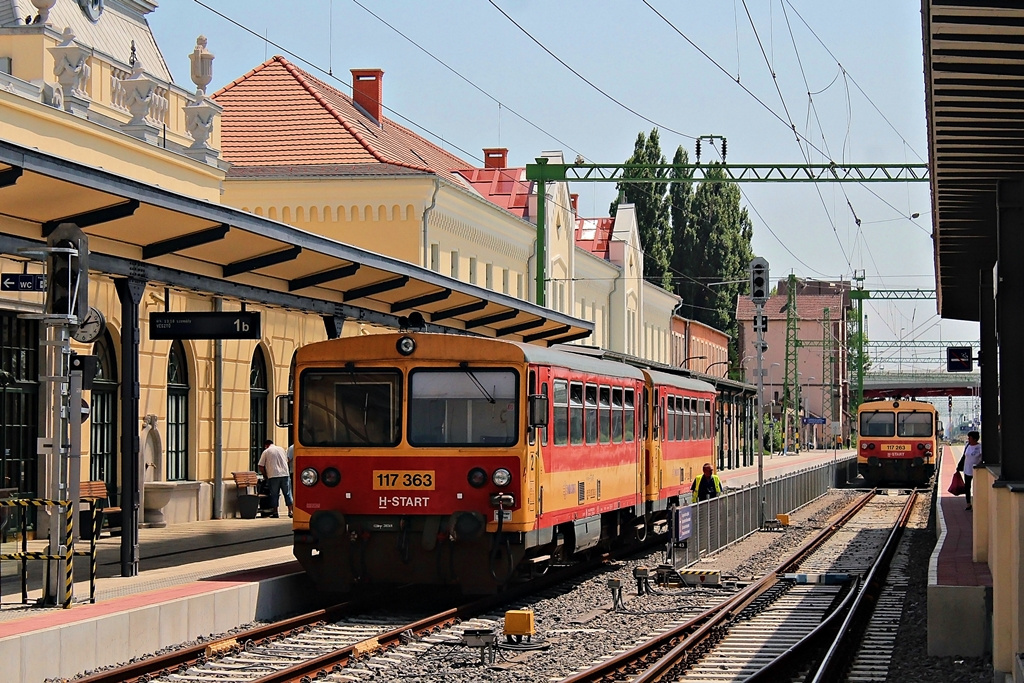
444	459
897	441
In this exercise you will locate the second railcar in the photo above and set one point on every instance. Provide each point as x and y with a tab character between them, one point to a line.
896	443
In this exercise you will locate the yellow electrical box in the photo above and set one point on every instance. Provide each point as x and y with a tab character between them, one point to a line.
519	622
783	519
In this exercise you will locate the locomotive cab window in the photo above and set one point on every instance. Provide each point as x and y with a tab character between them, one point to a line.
678	418
463	407
878	424
914	424
360	407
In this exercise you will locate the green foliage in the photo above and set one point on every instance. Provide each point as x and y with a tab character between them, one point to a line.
712	239
691	236
772	433
652	209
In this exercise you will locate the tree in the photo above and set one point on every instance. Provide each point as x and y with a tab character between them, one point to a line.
713	244
652	209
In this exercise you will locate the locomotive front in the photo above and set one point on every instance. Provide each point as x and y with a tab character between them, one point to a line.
409	461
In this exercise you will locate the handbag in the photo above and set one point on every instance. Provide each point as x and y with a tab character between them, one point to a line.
956	486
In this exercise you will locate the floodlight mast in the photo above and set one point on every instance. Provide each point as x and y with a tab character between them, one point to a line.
759	295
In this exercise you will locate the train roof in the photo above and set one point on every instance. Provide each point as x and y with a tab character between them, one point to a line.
681	381
576	361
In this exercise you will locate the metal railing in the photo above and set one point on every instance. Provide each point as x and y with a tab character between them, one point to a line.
705	527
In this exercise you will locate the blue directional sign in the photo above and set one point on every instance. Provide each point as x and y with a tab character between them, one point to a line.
22	283
813	420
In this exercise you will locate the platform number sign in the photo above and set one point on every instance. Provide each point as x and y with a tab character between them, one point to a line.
959	359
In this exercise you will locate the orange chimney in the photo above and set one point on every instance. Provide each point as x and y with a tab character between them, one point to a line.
574	199
495	157
367	91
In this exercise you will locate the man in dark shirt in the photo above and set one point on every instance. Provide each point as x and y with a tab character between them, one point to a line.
706	485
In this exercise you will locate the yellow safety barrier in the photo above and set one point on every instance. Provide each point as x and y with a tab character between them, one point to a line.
67	558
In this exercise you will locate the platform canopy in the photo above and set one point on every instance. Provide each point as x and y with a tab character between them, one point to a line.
974	96
147	232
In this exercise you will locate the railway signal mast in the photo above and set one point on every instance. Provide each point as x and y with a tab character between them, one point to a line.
759	295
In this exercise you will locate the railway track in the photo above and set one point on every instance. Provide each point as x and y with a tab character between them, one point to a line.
777	626
312	645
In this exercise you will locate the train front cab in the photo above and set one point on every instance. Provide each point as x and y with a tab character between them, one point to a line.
411	467
896	442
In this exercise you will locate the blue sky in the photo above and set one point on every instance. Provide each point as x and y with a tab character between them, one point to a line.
500	88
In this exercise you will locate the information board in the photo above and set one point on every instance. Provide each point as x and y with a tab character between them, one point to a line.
212	325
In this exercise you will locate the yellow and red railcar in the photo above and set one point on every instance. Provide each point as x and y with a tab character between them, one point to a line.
896	442
444	459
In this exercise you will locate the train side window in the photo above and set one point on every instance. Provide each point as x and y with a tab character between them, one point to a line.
576	413
604	415
695	419
617	415
711	418
630	415
705	420
591	397
544	429
670	418
561	404
531	433
677	417
656	415
687	407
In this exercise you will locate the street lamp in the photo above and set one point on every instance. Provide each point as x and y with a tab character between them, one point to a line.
771	385
721	362
688	359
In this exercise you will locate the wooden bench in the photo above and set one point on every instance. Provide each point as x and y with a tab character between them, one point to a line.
247	488
95	494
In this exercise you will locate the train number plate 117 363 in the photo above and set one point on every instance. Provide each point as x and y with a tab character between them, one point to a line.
403	480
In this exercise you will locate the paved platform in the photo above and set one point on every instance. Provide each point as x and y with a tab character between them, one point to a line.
959	589
195	580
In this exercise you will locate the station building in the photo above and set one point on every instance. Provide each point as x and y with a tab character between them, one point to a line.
278	195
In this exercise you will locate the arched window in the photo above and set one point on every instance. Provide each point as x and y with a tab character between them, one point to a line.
257	406
103	464
177	413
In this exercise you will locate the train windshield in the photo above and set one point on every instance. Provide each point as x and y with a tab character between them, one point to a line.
878	424
914	424
350	408
463	407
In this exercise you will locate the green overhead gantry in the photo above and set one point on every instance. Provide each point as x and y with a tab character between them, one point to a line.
544	172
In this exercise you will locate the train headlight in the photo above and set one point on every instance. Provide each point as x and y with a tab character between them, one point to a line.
406	345
871	446
331	477
477	477
501	477
864	446
920	446
308	476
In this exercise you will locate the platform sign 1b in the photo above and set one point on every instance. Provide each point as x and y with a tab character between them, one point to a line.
205	325
959	359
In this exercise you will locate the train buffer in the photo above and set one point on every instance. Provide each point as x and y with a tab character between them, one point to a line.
699	577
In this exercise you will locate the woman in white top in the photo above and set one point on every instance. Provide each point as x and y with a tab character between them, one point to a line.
972	458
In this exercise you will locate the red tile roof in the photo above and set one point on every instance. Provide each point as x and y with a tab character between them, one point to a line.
277	115
595	235
808	307
506	187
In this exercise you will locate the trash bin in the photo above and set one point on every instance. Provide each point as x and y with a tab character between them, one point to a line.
266	507
248	504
